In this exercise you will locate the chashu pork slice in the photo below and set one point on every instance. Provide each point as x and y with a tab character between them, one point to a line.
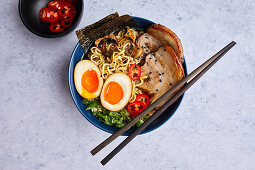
148	43
165	36
152	69
163	69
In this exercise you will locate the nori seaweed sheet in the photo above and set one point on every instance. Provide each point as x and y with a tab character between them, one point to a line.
105	26
84	31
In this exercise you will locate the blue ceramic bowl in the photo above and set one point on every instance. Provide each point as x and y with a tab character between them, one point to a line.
77	56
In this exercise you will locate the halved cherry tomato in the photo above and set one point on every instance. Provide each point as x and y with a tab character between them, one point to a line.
66	23
53	5
44	14
143	98
54	17
135	108
67	10
57	27
72	1
134	71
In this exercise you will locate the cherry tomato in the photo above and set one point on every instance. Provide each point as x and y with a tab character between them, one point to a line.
54	17
53	5
143	98
44	14
66	23
135	108
67	10
57	27
134	71
72	1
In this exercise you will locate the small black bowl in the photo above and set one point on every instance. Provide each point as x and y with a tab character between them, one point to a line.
29	11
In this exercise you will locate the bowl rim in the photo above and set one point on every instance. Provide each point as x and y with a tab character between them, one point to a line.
53	35
70	71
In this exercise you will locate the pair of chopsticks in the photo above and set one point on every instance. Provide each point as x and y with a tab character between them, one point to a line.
183	86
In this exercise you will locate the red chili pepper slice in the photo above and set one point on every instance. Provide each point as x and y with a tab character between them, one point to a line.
72	1
135	108
66	23
53	5
63	1
54	17
67	10
143	98
134	71
44	14
68	18
57	27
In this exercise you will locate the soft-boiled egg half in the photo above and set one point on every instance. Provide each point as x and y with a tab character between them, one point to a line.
87	79
116	92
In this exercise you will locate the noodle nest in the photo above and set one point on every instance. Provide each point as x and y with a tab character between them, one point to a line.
119	62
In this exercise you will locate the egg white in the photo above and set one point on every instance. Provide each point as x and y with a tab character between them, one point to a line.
125	82
80	68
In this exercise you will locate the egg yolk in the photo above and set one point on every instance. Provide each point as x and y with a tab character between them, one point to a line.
113	93
89	81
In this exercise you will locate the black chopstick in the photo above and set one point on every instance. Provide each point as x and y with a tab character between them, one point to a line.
161	99
202	69
167	104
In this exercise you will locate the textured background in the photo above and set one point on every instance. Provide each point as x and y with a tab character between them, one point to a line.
214	128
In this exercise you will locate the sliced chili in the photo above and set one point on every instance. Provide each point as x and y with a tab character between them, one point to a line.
57	27
66	23
59	13
44	14
53	5
135	108
68	18
54	17
72	1
143	98
67	10
63	1
134	71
